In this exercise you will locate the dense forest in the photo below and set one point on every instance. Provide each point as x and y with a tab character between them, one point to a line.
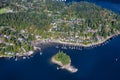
62	57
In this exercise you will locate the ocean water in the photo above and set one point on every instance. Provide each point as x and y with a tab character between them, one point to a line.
98	63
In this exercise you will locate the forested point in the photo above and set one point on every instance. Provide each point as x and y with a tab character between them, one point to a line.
62	57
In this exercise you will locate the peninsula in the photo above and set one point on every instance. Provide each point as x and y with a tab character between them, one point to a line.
63	60
25	23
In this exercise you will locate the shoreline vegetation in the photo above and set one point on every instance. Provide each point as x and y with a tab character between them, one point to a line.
77	44
67	66
47	41
26	24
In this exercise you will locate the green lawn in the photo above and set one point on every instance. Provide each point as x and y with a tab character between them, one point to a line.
3	10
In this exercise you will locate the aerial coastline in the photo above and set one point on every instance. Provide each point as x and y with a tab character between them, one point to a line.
23	30
59	40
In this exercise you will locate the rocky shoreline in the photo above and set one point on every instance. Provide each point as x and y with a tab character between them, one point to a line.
67	67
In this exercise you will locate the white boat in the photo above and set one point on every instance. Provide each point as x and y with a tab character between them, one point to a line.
57	47
24	57
58	68
16	59
41	53
116	59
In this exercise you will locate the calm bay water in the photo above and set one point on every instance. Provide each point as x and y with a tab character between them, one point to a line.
99	63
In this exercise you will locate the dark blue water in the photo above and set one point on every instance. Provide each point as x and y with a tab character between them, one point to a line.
97	63
113	5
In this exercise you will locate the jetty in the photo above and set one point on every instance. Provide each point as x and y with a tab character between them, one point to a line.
70	68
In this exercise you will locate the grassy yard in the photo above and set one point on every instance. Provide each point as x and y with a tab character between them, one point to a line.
3	10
